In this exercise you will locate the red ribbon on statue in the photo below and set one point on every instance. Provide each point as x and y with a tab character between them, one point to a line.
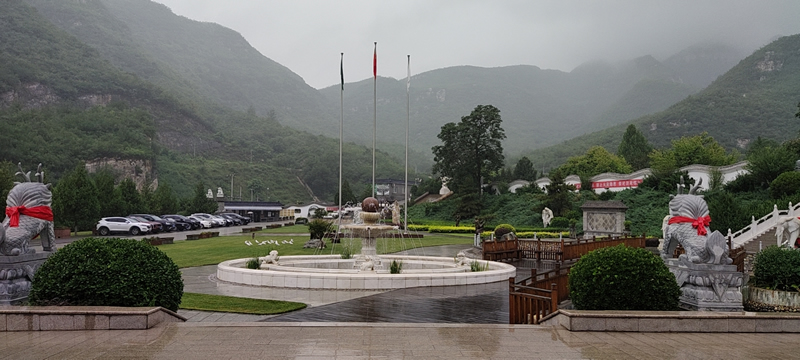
39	212
699	223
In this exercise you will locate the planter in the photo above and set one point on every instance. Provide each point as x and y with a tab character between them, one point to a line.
205	235
193	237
63	233
214	233
166	240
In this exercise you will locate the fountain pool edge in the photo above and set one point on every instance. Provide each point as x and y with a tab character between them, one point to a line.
233	271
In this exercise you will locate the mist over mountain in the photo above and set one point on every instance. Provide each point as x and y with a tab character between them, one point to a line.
243	100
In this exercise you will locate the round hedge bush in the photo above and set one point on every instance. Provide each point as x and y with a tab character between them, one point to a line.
559	222
503	229
622	278
777	268
785	184
108	272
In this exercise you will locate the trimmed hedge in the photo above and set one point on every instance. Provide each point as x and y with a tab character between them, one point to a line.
777	268
108	272
622	278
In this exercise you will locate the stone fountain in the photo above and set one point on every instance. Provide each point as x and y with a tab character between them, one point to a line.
369	231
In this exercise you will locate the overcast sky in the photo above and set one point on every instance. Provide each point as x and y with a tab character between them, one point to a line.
307	36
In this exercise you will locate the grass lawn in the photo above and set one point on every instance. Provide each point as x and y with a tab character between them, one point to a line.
204	302
215	250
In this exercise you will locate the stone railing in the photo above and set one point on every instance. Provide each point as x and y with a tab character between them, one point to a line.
761	226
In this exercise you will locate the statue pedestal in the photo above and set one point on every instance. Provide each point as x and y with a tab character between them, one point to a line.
16	274
368	253
707	287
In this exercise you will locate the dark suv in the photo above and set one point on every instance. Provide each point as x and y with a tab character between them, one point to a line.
166	224
182	222
244	219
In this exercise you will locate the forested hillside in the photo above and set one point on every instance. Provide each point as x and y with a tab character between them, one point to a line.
62	103
757	97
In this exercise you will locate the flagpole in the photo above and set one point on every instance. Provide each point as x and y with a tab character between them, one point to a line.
341	136
408	120
375	110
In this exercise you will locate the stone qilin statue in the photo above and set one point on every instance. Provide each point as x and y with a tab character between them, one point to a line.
688	226
28	214
708	282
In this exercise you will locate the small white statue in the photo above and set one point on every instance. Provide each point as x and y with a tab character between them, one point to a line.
547	216
219	192
444	190
395	213
367	266
272	258
462	259
210	194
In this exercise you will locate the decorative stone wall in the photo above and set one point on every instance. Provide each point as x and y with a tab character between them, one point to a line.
603	218
16	274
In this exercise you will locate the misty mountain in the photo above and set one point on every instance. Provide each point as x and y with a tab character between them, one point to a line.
757	97
86	104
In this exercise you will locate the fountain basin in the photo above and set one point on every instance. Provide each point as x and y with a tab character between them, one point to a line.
333	272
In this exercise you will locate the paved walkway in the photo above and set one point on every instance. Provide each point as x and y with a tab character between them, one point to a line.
386	341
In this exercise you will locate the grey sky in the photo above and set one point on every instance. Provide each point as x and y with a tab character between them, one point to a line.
307	36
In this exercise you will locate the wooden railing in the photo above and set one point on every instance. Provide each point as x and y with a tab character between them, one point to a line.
573	250
528	305
544	280
501	250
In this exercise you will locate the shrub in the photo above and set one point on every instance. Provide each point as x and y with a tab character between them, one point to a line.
503	229
622	278
785	184
253	263
108	272
777	269
318	227
476	266
396	267
559	222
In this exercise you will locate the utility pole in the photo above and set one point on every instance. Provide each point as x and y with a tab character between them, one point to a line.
232	186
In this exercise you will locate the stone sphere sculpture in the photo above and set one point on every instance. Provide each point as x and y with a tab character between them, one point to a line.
369	204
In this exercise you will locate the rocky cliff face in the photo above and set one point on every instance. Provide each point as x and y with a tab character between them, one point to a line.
140	171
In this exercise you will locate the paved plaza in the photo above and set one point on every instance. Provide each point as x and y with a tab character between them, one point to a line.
416	323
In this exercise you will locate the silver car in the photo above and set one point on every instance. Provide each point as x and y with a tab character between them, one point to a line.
110	225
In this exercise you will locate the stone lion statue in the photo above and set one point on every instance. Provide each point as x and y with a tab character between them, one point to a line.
367	266
787	224
462	259
28	214
688	226
272	258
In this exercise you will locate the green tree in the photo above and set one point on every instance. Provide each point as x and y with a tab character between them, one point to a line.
558	194
6	178
634	148
75	200
110	202
347	194
130	197
164	200
597	160
471	149
700	149
199	202
524	170
766	163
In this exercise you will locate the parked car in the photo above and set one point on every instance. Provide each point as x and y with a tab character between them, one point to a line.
245	220
204	223
215	222
235	220
166	224
109	225
183	221
223	221
155	226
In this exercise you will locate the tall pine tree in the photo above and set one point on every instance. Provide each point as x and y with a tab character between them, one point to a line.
75	200
635	148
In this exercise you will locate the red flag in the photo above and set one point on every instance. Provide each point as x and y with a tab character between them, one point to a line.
375	61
